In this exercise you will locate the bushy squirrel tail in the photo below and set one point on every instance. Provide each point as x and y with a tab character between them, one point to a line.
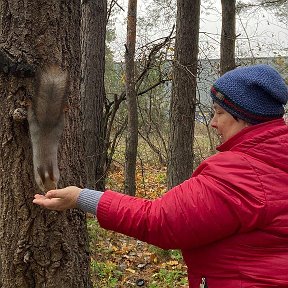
46	123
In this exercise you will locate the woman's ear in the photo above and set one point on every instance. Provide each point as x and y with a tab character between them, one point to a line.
246	124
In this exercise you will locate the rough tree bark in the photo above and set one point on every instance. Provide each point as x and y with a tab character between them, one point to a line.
228	36
39	248
132	134
93	34
183	100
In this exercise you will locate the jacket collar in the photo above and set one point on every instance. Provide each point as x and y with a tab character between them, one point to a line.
249	133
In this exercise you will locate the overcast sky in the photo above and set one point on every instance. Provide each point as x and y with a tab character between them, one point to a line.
260	32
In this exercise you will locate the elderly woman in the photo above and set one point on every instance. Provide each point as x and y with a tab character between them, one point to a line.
230	219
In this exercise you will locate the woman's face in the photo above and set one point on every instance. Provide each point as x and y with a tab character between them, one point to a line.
225	124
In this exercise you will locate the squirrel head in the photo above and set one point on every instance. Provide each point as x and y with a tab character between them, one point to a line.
47	177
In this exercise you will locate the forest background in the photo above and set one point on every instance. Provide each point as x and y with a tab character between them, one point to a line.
137	122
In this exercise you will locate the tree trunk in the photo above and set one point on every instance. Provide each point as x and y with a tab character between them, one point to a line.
132	137
39	248
228	36
183	100
93	33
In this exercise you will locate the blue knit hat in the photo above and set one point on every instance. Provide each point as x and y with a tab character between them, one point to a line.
255	93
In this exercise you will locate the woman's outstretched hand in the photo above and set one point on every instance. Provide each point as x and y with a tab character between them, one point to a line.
60	199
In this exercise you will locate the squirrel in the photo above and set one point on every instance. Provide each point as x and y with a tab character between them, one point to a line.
46	124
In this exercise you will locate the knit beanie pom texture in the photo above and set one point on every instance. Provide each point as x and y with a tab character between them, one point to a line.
254	93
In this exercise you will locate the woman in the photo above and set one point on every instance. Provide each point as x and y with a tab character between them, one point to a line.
230	219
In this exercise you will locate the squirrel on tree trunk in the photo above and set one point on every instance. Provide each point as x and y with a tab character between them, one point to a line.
46	123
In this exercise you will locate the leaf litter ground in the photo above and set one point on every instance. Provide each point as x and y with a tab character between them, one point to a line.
120	261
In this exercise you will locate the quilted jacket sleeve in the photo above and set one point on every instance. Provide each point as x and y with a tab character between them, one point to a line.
216	202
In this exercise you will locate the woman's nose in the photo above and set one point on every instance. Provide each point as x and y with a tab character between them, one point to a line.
213	123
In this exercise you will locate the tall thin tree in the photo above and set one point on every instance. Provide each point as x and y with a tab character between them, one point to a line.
39	248
228	36
132	134
93	34
183	101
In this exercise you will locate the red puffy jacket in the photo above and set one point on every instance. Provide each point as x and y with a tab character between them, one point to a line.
230	219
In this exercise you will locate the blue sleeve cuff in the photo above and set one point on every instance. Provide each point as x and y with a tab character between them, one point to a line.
88	200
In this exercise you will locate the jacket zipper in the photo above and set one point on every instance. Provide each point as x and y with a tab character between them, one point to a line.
203	283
